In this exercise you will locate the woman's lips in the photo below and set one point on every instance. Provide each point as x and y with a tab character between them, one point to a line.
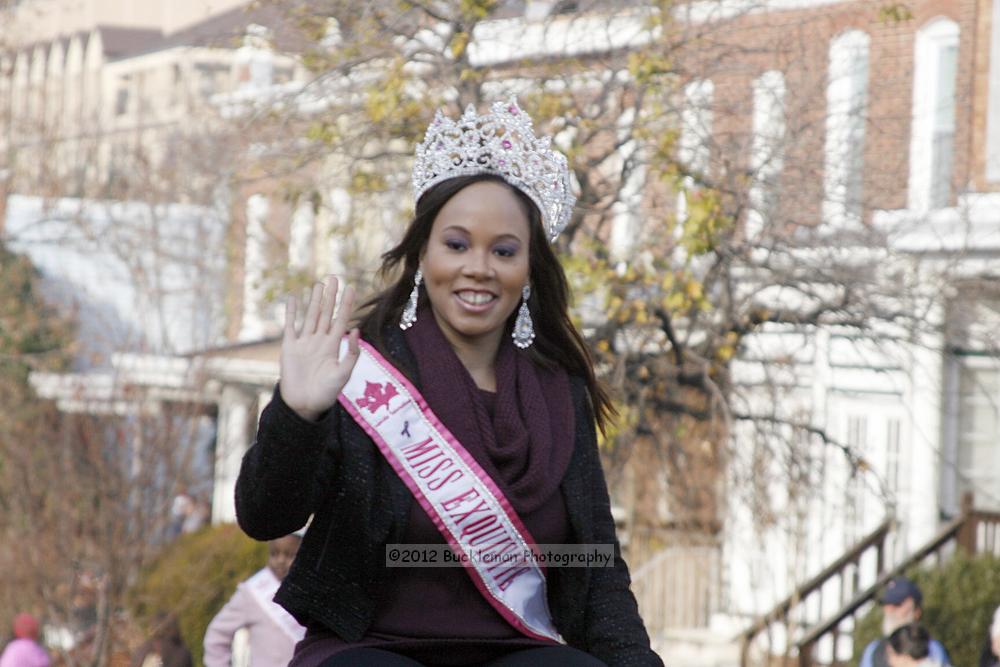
476	302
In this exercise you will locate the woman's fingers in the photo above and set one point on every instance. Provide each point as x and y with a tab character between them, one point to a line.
343	316
313	310
291	307
353	349
329	303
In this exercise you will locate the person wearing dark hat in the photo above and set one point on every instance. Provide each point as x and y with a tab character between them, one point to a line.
24	650
901	605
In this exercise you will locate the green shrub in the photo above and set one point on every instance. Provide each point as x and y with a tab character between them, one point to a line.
194	577
959	600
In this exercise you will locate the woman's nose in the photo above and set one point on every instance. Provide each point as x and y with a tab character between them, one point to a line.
478	264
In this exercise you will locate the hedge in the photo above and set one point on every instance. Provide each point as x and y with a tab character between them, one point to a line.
194	577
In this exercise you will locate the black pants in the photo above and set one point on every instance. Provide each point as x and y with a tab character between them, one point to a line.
532	657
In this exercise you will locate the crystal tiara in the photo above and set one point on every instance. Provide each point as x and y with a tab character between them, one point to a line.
501	142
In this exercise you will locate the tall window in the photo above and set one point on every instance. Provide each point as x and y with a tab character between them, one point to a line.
252	325
696	131
893	457
846	113
978	431
122	94
857	440
933	139
974	323
767	148
993	115
625	211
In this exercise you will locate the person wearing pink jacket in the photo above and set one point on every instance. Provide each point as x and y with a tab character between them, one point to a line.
273	632
24	650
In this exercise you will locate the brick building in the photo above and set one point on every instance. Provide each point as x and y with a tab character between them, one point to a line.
860	123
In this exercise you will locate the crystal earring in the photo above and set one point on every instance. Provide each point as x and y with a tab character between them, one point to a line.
524	328
410	311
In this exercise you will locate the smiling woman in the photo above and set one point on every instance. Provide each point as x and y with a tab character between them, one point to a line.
464	387
475	267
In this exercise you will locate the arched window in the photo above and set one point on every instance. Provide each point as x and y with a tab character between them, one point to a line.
252	324
846	114
767	148
696	131
626	210
301	236
932	142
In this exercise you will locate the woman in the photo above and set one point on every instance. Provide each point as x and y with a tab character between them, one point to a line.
472	393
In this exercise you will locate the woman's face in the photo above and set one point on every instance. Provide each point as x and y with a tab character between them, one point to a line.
476	263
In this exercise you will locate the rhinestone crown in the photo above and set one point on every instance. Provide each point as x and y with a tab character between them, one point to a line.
501	142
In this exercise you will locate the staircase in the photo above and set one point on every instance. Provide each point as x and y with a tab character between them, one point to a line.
795	631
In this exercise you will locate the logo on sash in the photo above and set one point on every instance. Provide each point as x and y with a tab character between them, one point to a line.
464	503
376	396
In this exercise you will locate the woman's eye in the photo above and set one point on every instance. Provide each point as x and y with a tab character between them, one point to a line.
455	245
505	251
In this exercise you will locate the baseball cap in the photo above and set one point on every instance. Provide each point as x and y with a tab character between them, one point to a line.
898	589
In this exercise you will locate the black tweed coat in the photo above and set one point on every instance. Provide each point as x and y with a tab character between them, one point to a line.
332	470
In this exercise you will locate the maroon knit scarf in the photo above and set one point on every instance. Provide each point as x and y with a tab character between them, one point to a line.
527	445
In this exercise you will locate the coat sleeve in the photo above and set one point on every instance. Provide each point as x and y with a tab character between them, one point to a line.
868	656
235	614
283	471
938	652
614	630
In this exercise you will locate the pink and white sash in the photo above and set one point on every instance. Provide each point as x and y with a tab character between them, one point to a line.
463	501
262	586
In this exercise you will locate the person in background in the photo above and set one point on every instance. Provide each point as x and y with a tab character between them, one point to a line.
272	630
166	647
901	605
181	507
991	651
198	516
24	650
909	646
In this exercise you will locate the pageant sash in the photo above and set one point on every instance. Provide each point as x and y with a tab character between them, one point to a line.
262	587
462	500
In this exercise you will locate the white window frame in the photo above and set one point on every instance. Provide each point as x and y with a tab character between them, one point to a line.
931	41
767	154
696	131
971	477
846	117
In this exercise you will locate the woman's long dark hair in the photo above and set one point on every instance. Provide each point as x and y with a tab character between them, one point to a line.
557	342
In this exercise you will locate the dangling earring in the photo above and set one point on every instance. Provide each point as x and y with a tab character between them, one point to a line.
410	311
524	328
